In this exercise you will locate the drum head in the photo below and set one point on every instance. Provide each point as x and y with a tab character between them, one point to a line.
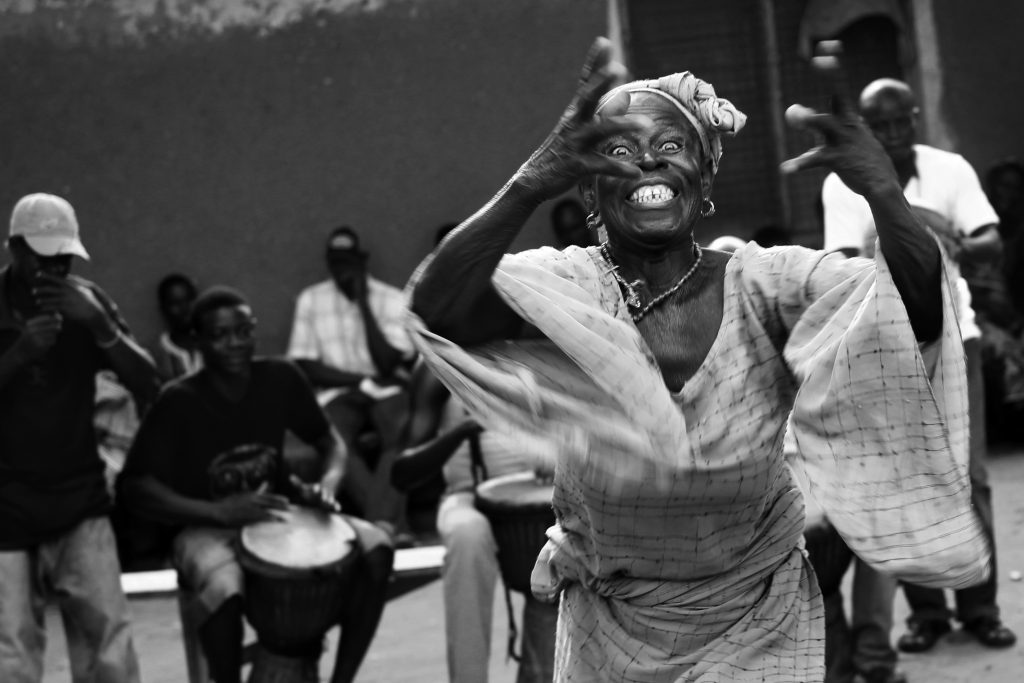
304	538
518	489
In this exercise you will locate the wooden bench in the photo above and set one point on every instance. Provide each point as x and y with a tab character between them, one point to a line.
413	568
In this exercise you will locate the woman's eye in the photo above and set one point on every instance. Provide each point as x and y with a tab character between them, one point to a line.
671	146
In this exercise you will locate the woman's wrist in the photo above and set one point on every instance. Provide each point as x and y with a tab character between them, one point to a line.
531	192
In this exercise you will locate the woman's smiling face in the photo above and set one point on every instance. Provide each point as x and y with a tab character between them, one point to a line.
659	208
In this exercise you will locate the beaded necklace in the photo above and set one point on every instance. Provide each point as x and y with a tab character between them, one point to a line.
633	297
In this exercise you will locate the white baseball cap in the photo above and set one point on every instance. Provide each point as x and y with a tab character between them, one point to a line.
48	223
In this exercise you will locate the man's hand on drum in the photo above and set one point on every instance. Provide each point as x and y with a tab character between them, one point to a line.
321	494
250	507
572	151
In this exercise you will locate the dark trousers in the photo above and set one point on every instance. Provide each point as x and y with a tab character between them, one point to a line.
830	558
929	604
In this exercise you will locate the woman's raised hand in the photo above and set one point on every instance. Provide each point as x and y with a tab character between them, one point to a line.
571	152
848	146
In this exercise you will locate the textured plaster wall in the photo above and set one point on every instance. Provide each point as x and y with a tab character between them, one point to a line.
225	138
982	77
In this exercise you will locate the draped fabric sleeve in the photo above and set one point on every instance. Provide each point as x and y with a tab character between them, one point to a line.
879	422
589	389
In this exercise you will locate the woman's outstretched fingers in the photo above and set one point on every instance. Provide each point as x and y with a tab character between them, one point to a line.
804	118
593	89
601	129
599	54
597	76
812	158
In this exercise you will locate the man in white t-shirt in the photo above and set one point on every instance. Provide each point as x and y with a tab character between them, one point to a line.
348	337
944	192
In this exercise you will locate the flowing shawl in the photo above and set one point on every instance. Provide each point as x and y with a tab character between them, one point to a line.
678	544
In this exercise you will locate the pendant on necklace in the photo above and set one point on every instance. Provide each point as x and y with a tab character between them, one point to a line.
633	299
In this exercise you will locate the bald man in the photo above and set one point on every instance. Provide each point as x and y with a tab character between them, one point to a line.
943	189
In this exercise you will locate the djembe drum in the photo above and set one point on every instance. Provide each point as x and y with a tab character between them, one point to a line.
297	573
518	506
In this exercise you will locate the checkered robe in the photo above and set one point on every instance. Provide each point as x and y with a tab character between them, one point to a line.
678	542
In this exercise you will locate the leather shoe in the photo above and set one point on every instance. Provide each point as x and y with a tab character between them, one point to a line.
881	674
922	635
991	632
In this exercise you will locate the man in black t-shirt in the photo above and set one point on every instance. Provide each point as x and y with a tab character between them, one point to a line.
56	331
183	470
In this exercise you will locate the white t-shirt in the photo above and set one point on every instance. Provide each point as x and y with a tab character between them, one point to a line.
945	184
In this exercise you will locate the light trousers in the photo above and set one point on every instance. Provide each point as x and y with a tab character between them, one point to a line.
469	576
80	570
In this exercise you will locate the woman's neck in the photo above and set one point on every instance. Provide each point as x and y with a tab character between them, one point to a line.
657	270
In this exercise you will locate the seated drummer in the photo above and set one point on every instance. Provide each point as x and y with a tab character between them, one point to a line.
442	435
237	401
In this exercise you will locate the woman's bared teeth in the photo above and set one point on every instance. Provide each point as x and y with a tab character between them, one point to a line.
652	194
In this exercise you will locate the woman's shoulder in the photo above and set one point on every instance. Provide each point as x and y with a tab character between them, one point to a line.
575	264
554	258
753	260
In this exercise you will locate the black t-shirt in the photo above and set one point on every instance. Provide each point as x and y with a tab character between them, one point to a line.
51	476
191	425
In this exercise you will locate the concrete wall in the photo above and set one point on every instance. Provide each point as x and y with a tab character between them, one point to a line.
982	90
224	138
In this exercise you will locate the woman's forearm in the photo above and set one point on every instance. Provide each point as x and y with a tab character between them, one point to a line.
914	260
453	295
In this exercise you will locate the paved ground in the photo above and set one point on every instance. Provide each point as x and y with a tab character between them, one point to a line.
410	644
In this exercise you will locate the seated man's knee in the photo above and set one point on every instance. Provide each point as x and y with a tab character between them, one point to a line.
378	564
469	532
226	582
377	553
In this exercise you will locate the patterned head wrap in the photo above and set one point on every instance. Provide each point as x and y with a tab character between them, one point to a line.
711	115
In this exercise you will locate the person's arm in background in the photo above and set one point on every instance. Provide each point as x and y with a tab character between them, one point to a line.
81	301
427	451
154	499
982	245
386	357
974	215
38	336
142	485
304	350
324	376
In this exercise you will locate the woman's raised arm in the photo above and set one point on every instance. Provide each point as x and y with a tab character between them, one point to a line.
452	292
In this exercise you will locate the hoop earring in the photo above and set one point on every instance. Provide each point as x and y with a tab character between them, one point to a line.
707	208
593	220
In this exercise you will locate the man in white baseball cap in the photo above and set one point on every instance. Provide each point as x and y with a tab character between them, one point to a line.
49	225
57	331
